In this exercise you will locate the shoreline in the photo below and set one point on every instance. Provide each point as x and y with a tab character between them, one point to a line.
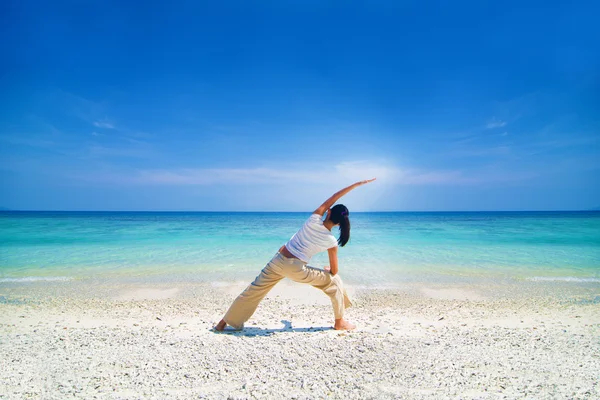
62	339
43	288
392	275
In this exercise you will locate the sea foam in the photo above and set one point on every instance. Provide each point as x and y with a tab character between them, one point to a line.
563	279
36	279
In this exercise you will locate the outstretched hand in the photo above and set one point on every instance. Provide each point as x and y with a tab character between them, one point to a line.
366	181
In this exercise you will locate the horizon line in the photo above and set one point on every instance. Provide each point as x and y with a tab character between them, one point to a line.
300	212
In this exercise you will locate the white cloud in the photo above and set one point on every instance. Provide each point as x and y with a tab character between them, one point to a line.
104	124
293	188
495	123
342	173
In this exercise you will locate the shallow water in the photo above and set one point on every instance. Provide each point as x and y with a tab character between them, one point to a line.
384	247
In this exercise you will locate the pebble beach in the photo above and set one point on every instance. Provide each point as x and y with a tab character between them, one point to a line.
416	341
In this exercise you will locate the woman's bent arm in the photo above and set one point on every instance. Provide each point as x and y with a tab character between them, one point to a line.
331	201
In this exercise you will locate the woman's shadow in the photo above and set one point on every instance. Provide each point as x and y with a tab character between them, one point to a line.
287	327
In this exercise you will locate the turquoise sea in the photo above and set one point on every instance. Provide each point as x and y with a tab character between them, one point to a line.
385	248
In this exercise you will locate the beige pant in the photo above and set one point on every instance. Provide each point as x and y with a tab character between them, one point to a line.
278	268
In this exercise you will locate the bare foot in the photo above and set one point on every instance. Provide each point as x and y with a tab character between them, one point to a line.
221	325
341	325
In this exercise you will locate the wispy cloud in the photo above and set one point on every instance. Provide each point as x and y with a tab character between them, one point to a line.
96	113
99	151
104	124
561	143
85	109
495	123
510	111
481	151
341	173
22	140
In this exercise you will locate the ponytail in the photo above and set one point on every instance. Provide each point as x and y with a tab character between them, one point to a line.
340	215
344	231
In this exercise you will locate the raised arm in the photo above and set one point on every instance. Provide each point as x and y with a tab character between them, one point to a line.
331	201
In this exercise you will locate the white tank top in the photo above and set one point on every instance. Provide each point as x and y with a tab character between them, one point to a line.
311	239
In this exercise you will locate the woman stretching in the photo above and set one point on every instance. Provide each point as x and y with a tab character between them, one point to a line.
291	262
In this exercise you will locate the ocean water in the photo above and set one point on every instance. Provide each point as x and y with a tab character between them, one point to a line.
385	248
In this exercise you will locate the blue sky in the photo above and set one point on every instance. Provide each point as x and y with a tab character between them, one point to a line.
273	106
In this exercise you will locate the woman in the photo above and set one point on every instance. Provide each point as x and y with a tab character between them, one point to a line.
291	262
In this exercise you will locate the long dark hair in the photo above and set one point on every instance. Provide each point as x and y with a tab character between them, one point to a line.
340	215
